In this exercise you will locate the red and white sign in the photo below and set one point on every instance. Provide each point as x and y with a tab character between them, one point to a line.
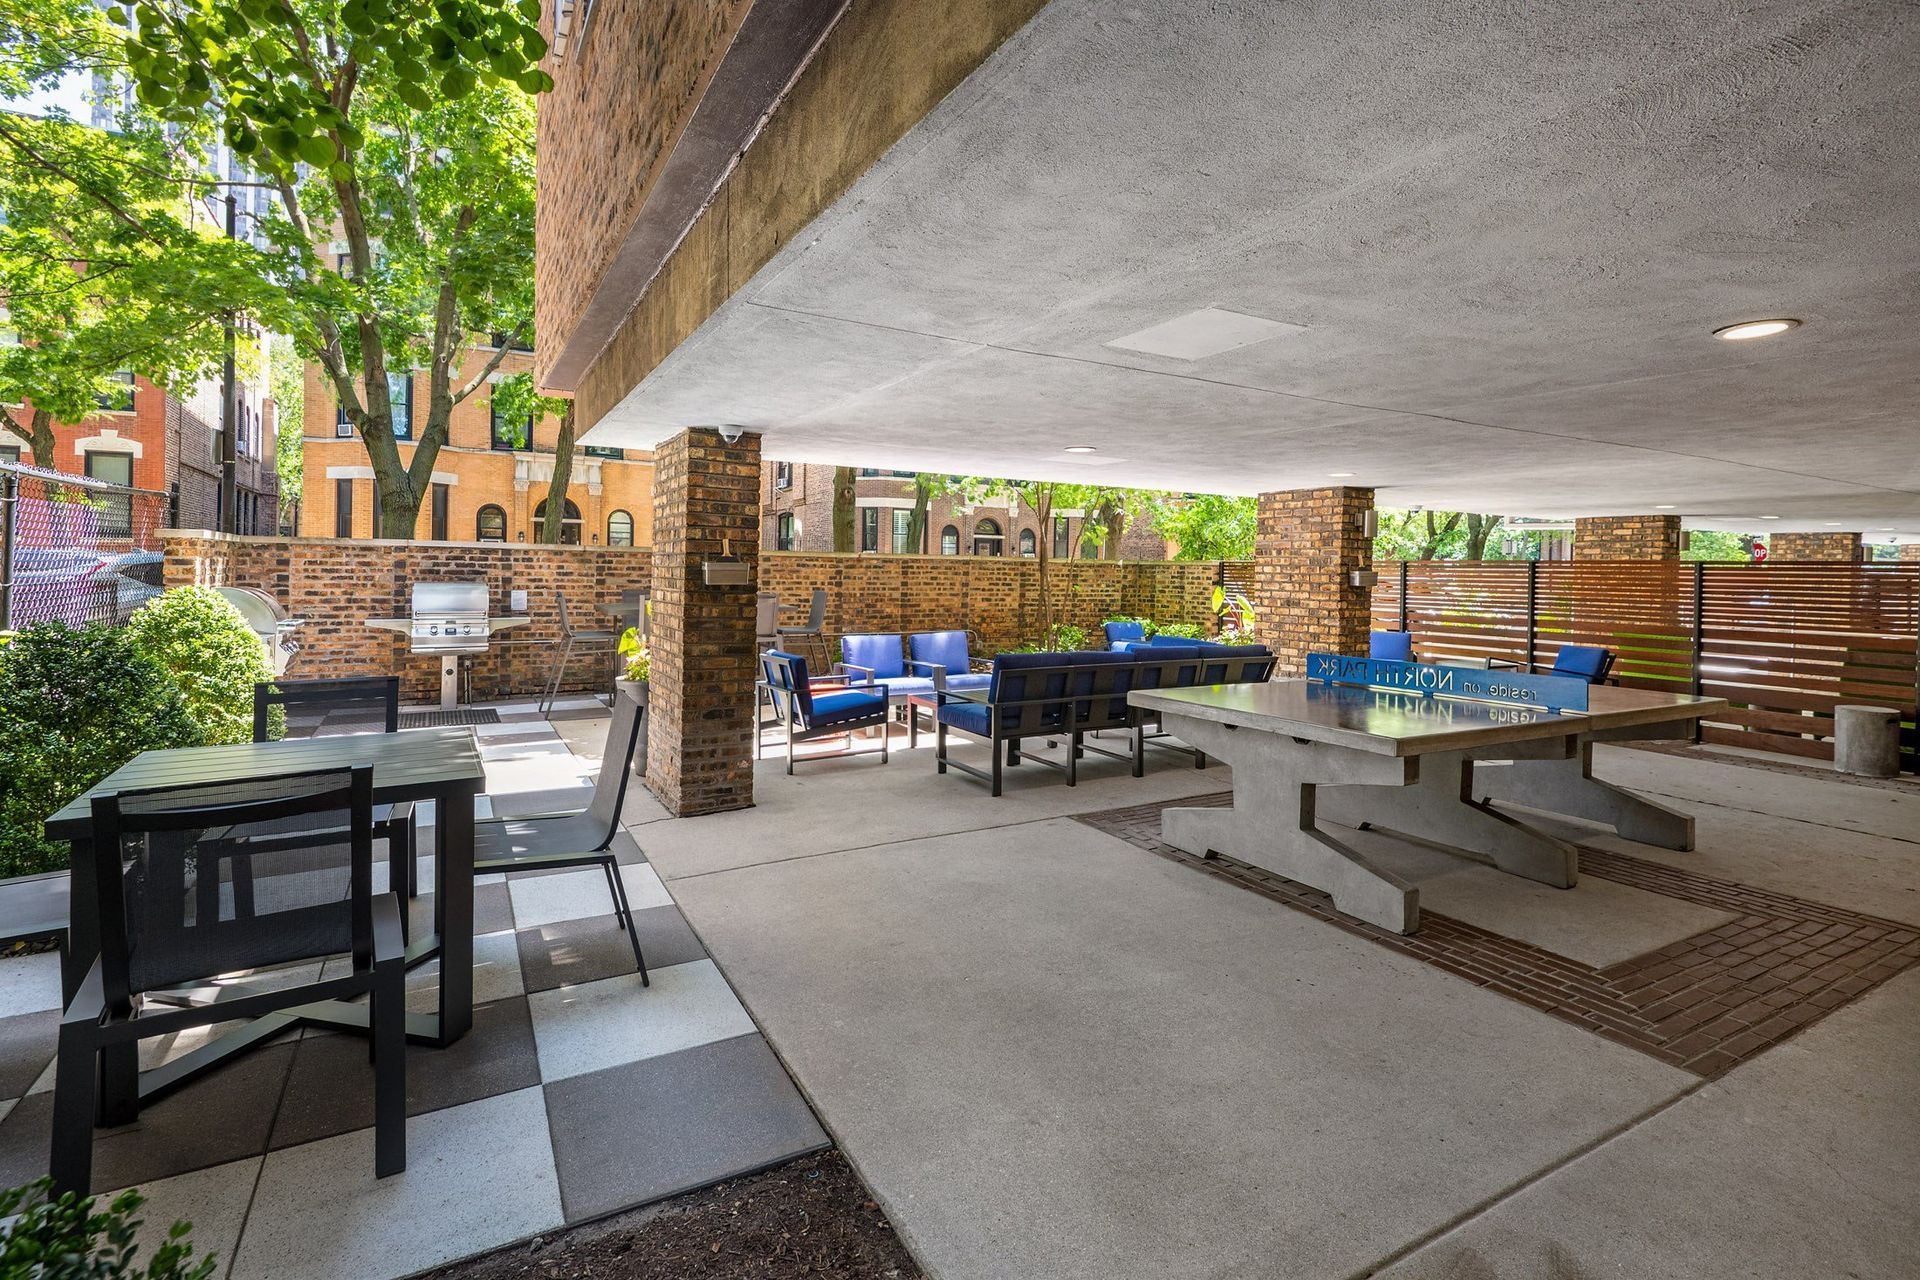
1759	552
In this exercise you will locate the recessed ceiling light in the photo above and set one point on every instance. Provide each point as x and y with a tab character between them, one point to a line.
1339	475
1206	332
1888	529
1663	506
1769	517
1833	524
1079	448
1754	329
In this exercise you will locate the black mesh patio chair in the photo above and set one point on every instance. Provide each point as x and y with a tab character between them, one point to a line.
582	838
348	704
596	640
204	881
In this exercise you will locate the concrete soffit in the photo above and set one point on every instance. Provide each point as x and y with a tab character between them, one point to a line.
773	46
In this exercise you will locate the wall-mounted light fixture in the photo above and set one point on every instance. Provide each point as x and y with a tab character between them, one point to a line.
1363	577
1369	522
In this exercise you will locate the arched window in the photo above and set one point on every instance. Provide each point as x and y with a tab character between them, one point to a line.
1026	543
986	538
949	541
620	529
490	524
569	522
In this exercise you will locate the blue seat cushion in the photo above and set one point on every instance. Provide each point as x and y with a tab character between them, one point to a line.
972	680
1390	646
1177	642
1584	661
878	653
906	686
972	717
1127	646
1121	632
837	708
940	648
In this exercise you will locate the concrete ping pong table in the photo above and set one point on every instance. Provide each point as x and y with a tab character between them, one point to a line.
1304	750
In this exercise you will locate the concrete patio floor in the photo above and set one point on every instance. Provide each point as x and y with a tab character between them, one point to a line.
1051	1053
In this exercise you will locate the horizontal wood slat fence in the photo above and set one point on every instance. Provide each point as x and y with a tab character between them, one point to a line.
1783	643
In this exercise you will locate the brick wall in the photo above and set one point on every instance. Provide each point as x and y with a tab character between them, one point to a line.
1833	548
335	585
1647	537
1910	551
706	503
1308	543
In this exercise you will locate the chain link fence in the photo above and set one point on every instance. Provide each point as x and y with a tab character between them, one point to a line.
74	549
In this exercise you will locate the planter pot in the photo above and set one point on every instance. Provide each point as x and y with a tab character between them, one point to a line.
637	691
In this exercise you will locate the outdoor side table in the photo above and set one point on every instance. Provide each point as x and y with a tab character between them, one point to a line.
442	765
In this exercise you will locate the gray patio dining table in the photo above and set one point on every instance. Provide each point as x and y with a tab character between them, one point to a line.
442	765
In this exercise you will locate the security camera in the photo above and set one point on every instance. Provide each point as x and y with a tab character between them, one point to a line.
731	433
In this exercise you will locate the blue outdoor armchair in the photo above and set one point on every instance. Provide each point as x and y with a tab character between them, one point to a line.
854	702
1390	646
1123	635
1583	662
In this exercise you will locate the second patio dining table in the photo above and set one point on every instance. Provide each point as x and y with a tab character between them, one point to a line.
441	765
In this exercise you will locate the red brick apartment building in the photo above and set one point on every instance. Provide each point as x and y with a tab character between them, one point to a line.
797	515
150	438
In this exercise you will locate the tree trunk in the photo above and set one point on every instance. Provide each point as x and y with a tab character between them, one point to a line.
917	518
555	524
1479	529
1042	550
843	509
1437	534
37	434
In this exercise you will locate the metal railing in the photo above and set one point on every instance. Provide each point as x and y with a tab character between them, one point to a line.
77	550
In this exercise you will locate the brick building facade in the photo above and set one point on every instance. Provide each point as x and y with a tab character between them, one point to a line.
797	515
150	438
489	480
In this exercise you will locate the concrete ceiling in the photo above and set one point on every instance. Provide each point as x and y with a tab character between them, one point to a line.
1508	231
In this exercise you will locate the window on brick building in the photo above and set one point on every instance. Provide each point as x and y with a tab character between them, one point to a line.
902	527
569	521
342	424
949	541
9	453
783	475
118	398
620	529
1028	543
441	495
400	396
785	530
343	508
490	524
115	509
987	540
870	529
510	432
1062	541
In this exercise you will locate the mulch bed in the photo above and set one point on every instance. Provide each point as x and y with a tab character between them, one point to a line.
811	1218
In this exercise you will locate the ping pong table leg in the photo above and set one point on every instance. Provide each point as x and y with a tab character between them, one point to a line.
1569	787
1271	823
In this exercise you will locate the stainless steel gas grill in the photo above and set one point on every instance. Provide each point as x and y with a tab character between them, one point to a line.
450	619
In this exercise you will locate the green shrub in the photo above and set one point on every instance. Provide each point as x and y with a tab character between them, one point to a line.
1180	630
205	645
1067	636
74	706
66	1239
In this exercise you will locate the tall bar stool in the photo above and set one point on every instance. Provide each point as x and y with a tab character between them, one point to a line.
793	637
596	640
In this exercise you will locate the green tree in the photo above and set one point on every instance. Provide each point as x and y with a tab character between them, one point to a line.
1208	526
398	135
1718	545
287	381
516	401
201	641
109	265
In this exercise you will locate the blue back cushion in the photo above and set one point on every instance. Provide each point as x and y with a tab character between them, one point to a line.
1163	673
1124	631
788	680
944	648
878	653
1390	646
1178	642
1589	662
1012	684
1103	710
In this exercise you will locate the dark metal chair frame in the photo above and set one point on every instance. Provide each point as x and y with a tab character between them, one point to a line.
1050	720
107	1016
393	823
781	692
1248	669
624	732
571	637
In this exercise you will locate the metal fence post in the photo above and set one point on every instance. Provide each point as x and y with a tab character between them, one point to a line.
9	502
1699	633
1533	610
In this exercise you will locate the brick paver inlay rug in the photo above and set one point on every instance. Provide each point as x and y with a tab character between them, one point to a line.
1705	1003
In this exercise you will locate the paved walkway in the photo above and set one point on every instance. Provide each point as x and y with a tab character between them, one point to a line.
1052	1052
577	1093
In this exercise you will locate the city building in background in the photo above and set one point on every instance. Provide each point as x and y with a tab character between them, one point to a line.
797	515
489	481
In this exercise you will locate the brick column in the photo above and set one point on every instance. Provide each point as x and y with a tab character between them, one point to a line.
1833	548
1910	551
1626	538
1308	544
700	739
